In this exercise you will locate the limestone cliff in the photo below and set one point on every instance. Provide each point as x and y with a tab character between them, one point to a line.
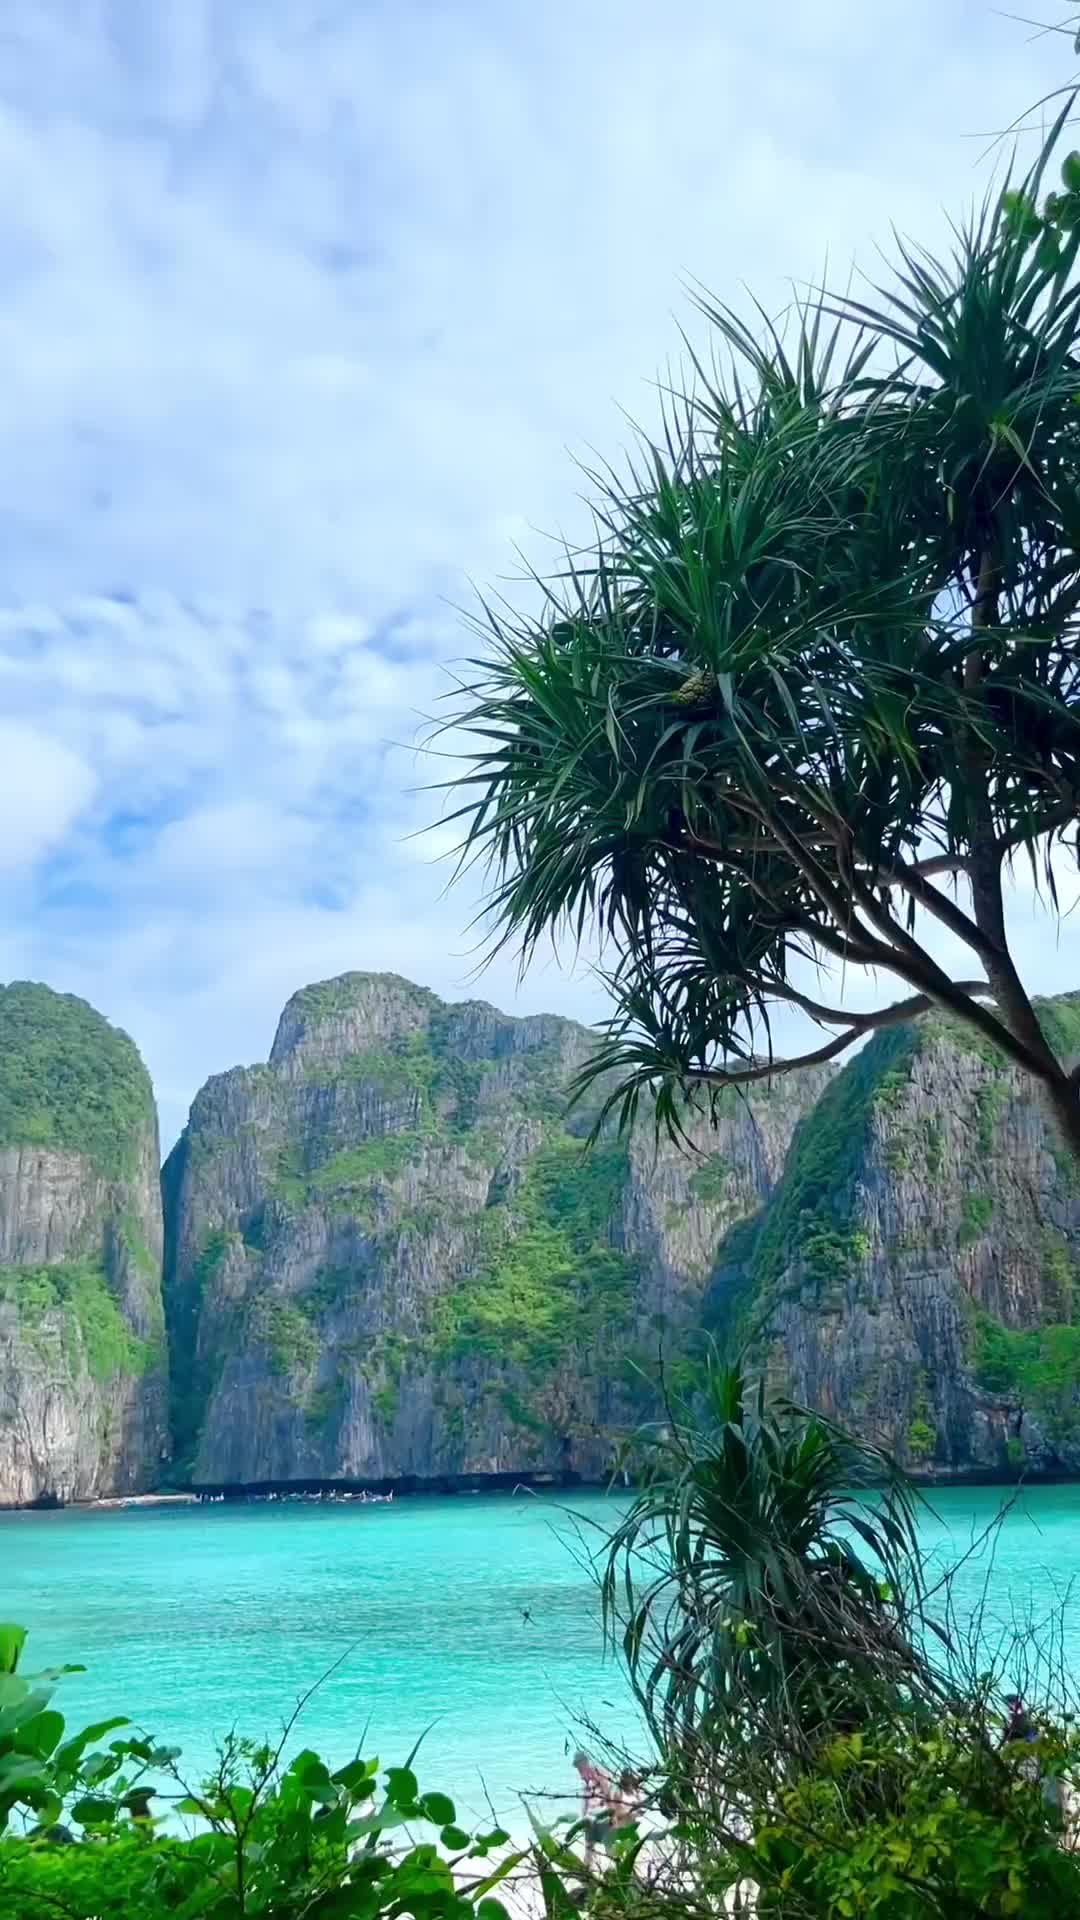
914	1272
82	1361
387	1254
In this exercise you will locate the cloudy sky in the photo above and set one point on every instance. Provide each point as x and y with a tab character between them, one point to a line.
308	308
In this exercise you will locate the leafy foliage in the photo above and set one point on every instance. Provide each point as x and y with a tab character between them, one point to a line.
976	1213
815	1760
70	1080
913	1822
261	1838
921	1438
710	1182
291	1340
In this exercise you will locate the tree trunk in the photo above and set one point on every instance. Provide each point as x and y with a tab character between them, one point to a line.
987	899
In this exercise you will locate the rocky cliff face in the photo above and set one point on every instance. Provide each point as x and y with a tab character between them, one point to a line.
82	1360
387	1255
916	1266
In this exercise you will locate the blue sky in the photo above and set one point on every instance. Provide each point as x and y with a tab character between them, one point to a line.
307	309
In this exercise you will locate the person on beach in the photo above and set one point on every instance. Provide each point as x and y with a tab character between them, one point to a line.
1021	1730
598	1793
625	1803
1019	1726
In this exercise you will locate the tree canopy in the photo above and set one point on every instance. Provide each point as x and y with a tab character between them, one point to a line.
814	689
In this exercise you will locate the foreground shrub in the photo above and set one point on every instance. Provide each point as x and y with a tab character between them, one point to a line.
97	1829
905	1824
830	1731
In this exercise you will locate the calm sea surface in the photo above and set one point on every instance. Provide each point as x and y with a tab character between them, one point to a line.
473	1617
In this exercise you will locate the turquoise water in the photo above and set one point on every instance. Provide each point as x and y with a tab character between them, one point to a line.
474	1617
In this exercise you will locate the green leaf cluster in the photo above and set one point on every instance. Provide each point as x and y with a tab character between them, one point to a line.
827	630
748	1583
83	1829
710	1181
910	1822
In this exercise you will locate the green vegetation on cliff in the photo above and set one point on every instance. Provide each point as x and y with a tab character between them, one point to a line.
548	1279
436	1093
811	1218
75	1295
1037	1370
348	1176
290	1338
70	1080
406	1211
187	1386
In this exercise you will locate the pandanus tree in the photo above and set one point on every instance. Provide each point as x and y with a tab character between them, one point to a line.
813	693
754	1588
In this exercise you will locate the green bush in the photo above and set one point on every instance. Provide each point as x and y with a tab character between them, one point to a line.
917	1823
83	1832
921	1439
710	1182
976	1213
290	1338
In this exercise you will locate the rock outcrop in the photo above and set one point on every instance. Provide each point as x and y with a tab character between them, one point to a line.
82	1352
915	1270
387	1254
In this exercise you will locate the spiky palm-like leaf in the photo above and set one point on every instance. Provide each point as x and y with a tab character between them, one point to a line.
753	1580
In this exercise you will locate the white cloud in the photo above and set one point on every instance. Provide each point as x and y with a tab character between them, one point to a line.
44	787
304	308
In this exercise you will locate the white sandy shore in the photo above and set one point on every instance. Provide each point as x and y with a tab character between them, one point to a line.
140	1500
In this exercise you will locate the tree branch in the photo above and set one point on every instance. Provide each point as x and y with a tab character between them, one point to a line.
922	869
768	1069
913	881
841	948
889	1016
847	901
939	863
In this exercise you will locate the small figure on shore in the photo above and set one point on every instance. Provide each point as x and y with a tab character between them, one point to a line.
626	1802
597	1795
1019	1726
1021	1730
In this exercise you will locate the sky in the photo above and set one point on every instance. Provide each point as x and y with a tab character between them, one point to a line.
310	312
